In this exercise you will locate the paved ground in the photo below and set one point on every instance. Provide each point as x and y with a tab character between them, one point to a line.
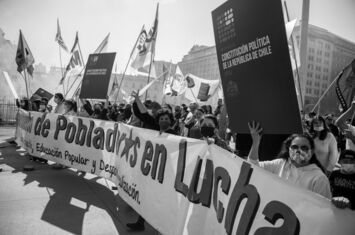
49	201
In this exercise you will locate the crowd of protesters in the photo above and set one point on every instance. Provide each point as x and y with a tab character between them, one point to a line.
322	159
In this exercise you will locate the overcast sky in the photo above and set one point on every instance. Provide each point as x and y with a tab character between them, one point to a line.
182	23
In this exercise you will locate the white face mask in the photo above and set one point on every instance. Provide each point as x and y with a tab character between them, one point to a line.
348	168
318	128
300	157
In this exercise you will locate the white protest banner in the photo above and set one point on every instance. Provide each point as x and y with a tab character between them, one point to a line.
179	185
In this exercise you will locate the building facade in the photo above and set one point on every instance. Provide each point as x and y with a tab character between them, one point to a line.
327	55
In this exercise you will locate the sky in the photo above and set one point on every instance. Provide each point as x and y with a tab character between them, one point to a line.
182	24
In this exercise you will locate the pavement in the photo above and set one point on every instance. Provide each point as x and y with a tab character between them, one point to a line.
48	201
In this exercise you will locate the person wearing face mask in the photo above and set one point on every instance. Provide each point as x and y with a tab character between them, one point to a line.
342	181
209	132
296	163
326	147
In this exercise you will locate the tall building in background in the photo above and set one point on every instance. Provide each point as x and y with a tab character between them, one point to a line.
327	55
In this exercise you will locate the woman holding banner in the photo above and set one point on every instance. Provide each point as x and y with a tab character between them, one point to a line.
297	162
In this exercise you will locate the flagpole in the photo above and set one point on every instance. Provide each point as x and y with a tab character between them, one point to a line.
24	71
193	95
294	55
150	67
326	91
130	56
61	66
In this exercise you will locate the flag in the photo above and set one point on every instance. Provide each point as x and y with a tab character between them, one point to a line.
345	86
24	57
59	39
75	63
145	47
200	89
179	84
289	28
103	46
167	81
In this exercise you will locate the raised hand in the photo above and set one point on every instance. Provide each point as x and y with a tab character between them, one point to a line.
255	131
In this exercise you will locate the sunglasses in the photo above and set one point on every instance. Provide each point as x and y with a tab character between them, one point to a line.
303	148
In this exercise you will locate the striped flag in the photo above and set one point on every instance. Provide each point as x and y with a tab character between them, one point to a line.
59	39
103	46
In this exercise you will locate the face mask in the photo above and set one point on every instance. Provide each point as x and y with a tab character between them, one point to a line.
96	111
348	168
299	156
42	107
318	128
207	131
150	112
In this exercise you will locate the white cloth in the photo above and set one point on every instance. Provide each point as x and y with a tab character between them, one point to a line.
327	151
308	177
349	144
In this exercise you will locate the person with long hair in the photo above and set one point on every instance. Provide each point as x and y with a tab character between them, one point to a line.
70	108
296	163
326	147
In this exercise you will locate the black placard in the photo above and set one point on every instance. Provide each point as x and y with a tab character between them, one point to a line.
255	68
97	76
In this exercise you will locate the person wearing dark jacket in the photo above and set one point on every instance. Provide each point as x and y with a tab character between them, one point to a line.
162	121
99	111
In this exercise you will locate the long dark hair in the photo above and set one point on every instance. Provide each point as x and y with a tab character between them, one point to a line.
284	153
323	134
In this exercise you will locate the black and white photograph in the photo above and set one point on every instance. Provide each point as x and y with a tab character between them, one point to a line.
177	117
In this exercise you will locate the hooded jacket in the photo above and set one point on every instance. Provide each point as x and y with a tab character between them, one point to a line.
308	177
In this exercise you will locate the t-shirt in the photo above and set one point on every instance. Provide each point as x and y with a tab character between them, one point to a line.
343	185
327	151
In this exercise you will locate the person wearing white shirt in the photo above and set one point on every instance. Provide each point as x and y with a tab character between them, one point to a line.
326	147
297	162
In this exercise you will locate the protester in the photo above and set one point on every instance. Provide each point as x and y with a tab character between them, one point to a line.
219	107
177	117
23	104
146	113
342	181
43	106
193	127
70	108
99	112
162	121
209	132
326	148
348	129
296	163
59	100
189	118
